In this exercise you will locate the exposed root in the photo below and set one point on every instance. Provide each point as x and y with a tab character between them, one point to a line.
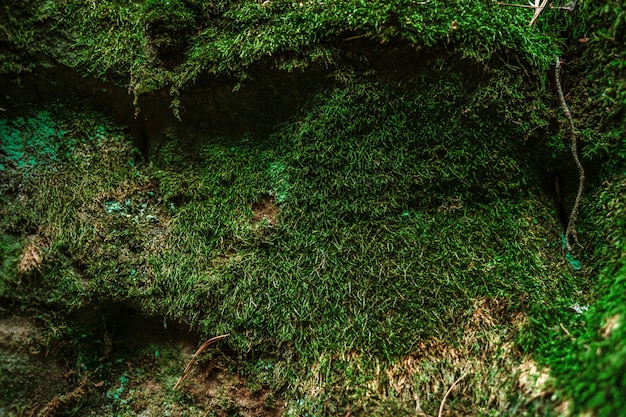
195	355
570	232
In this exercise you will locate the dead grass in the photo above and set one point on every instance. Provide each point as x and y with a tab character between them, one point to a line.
610	325
495	373
32	255
533	379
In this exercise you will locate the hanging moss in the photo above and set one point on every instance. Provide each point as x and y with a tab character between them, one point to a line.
195	38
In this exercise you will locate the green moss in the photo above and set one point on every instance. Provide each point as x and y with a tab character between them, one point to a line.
400	203
589	366
20	35
371	182
156	44
168	24
9	253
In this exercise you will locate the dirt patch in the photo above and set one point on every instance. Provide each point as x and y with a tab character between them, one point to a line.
533	380
265	211
142	360
29	377
227	393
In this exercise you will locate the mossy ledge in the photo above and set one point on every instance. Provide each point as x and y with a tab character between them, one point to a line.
362	195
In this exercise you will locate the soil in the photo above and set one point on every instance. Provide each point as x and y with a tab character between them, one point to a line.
138	366
30	376
265	210
229	394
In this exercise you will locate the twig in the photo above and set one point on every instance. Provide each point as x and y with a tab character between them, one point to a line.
571	223
525	6
351	38
538	9
566	331
195	355
445	397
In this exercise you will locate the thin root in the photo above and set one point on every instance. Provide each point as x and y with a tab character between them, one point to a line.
195	355
445	397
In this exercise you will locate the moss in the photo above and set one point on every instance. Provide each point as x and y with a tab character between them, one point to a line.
20	36
10	250
589	366
402	203
158	44
168	24
597	64
397	210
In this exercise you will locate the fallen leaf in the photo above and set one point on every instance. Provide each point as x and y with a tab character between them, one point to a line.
98	384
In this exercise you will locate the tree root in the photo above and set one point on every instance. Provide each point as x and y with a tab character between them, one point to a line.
570	232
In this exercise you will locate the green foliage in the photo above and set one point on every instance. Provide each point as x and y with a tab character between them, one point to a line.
31	141
589	367
192	38
168	25
20	36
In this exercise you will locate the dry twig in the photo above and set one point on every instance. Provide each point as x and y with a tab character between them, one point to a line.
445	397
351	38
566	331
195	355
524	6
539	5
538	9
